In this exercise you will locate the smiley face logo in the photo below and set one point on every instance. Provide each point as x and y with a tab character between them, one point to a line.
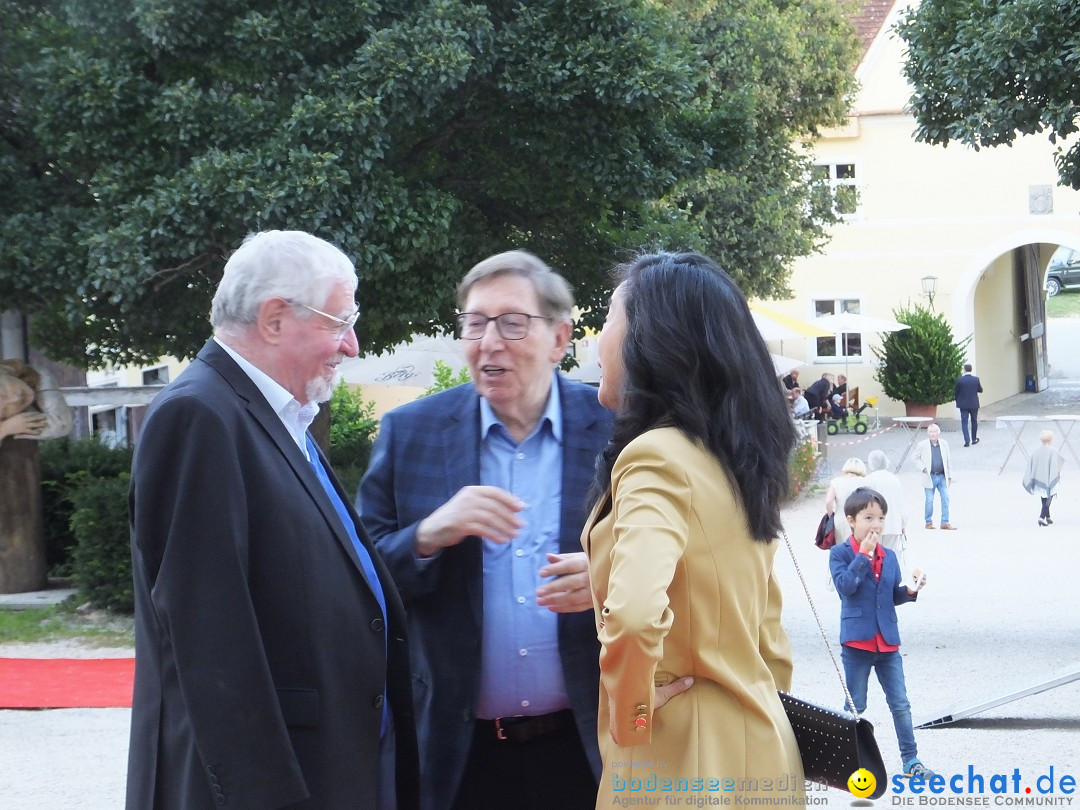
861	783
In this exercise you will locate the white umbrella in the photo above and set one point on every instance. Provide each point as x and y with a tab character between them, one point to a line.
785	364
409	363
590	372
777	326
856	322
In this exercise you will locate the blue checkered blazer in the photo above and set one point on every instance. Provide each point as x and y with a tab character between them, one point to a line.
425	452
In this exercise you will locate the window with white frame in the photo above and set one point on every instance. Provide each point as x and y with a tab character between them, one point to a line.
109	422
156	376
110	425
843	186
843	344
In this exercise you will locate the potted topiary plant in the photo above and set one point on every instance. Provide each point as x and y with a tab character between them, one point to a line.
919	365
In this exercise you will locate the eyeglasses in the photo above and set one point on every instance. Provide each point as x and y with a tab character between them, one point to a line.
344	326
510	325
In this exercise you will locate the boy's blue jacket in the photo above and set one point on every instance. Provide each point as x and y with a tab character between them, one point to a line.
866	605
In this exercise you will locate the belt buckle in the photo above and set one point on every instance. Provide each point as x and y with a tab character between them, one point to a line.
500	732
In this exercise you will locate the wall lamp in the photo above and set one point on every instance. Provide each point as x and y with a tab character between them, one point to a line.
929	287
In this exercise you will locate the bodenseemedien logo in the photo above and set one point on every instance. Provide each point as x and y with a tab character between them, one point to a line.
788	790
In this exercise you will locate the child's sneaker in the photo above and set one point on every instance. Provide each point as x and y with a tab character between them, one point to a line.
914	767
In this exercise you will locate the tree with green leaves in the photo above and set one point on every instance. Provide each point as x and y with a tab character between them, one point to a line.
445	377
141	139
921	363
353	426
986	71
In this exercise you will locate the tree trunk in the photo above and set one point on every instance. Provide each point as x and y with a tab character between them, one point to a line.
22	541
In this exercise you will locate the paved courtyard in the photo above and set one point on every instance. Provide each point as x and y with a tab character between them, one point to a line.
1001	610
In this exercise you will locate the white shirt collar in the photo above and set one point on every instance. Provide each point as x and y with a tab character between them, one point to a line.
297	418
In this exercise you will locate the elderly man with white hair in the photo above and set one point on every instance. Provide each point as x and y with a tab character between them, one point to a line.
933	456
879	478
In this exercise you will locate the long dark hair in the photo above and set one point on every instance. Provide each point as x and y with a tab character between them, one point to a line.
695	360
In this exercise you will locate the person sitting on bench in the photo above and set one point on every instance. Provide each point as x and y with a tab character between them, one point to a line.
800	408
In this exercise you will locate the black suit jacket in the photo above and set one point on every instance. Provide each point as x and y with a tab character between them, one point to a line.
425	452
967	392
261	651
817	394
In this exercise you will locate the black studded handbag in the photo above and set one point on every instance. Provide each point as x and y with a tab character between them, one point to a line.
833	744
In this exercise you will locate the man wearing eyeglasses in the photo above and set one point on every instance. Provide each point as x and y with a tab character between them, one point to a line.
271	663
476	498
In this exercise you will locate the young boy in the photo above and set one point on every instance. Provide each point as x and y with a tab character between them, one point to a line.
863	569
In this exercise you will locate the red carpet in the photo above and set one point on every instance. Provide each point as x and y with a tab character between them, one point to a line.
66	683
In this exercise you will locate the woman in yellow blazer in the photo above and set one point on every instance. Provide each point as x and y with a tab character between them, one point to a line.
680	544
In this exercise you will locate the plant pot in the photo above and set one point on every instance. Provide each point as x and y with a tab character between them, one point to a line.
920	409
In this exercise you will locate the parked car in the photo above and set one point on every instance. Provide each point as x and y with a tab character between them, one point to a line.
1063	273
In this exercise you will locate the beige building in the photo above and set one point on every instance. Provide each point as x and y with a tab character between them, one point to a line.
117	418
978	227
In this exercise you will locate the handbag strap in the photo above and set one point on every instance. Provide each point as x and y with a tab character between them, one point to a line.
821	627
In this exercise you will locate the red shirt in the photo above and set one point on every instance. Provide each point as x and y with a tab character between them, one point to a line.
877	643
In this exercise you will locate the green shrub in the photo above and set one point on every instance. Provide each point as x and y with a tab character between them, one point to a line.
445	377
102	559
62	460
352	431
921	363
803	464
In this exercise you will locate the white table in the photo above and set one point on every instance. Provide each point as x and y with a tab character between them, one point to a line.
912	425
1066	422
1016	424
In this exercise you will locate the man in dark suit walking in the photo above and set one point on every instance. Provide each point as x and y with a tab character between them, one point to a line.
967	393
476	498
271	666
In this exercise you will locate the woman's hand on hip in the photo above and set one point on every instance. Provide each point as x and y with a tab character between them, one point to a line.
665	693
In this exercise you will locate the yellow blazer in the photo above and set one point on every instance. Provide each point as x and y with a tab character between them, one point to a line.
680	588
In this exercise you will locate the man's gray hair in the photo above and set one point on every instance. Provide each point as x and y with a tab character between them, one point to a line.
292	265
877	460
553	292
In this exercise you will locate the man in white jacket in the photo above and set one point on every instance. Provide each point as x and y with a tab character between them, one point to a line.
933	457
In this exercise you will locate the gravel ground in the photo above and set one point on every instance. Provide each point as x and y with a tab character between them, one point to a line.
993	618
995	615
70	648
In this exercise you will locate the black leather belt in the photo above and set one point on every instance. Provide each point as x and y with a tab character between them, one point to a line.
523	729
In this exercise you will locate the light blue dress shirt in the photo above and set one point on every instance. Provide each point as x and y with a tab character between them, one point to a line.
520	669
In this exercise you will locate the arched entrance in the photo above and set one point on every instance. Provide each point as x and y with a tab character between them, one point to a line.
1000	302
